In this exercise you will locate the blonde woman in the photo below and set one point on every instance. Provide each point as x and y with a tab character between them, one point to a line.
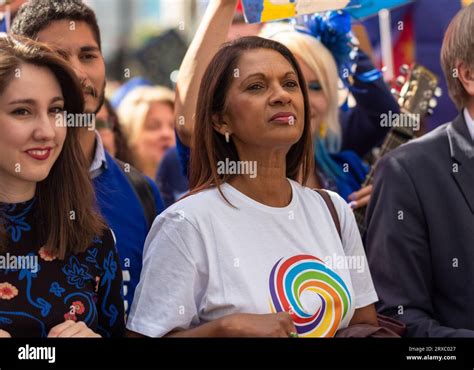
340	136
147	116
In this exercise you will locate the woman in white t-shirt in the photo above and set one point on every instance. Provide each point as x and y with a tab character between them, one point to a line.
250	252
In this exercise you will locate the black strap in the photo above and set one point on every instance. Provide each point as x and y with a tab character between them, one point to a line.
332	210
143	190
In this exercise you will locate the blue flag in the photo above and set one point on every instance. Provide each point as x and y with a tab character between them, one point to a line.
361	9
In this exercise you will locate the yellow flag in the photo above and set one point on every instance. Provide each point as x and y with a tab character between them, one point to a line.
276	11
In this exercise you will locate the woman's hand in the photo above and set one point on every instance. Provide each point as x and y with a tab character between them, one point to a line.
72	329
251	325
360	198
4	334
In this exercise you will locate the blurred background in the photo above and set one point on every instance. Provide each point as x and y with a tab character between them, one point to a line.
146	37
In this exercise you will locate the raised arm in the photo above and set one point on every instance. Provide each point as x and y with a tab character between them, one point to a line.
361	128
212	32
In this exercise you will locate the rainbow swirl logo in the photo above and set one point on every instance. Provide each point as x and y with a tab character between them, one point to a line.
314	295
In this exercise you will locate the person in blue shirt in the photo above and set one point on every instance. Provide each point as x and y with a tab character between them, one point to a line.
71	28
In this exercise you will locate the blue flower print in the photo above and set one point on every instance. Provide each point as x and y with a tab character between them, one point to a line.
77	273
56	289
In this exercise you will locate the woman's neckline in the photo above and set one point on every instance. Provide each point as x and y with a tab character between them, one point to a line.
10	204
261	206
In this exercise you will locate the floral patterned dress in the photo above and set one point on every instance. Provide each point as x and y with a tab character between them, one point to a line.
38	291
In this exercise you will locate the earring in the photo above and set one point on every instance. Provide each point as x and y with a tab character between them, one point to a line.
323	129
227	137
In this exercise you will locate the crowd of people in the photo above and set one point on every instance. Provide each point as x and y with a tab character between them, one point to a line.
225	208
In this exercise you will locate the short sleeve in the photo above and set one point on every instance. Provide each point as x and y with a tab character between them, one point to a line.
361	279
173	279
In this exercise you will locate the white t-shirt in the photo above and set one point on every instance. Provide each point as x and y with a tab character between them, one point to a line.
204	259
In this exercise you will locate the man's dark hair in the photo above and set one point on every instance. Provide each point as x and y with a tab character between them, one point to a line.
36	15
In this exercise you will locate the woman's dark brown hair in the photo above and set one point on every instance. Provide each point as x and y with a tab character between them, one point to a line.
209	146
67	191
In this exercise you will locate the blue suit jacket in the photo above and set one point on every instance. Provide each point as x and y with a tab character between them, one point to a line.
121	208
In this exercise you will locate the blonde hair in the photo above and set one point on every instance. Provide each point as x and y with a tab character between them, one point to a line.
458	47
320	60
134	108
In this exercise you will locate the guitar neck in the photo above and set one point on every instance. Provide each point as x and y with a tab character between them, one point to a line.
396	137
